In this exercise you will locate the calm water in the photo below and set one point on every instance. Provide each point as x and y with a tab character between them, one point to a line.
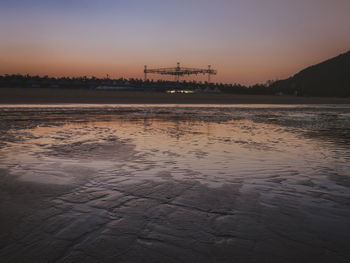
179	183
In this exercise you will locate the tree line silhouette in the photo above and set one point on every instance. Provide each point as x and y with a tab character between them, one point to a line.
329	78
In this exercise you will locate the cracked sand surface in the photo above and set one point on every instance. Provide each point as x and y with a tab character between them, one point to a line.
142	187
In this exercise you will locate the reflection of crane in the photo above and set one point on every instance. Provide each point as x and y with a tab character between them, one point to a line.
180	71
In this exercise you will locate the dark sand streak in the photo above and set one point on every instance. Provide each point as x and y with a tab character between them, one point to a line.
49	96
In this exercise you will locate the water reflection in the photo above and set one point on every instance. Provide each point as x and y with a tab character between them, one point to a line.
261	153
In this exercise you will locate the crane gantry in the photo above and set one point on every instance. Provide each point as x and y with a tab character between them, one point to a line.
180	71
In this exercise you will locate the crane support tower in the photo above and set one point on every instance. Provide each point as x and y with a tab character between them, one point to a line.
178	71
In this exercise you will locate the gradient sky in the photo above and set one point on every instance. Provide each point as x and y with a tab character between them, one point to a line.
247	41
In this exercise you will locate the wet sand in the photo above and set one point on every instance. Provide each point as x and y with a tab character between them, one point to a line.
46	96
190	184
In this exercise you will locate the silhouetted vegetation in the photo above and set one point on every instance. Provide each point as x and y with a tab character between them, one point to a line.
134	84
330	78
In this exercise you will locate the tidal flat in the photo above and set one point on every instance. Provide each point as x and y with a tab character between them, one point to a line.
166	183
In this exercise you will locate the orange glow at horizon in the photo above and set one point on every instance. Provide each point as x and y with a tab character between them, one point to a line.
245	72
246	41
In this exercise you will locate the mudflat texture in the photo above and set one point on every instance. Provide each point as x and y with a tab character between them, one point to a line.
50	95
175	184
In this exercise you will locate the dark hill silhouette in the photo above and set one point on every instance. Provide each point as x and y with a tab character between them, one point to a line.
329	78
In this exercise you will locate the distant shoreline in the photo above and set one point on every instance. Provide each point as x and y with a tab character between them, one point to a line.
82	96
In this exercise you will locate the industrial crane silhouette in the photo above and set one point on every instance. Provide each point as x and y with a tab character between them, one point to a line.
178	71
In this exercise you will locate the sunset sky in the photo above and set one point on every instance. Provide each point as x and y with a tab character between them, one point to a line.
247	41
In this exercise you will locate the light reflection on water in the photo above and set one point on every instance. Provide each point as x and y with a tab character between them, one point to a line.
294	148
